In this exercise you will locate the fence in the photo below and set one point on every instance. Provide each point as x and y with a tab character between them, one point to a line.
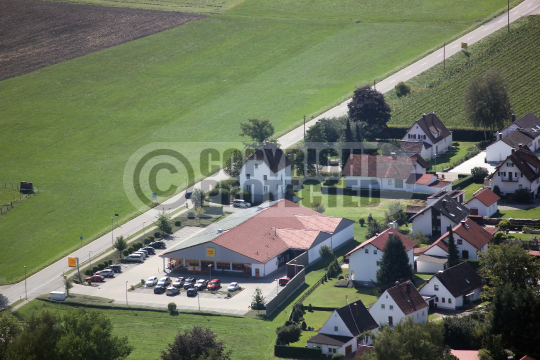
21	197
299	262
306	294
287	291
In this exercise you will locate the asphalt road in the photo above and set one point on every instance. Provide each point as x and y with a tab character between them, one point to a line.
50	278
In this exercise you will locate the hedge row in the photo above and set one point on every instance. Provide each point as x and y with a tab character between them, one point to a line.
374	193
470	135
463	183
297	352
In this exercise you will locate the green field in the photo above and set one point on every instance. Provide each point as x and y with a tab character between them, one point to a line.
448	158
442	91
471	189
193	6
71	128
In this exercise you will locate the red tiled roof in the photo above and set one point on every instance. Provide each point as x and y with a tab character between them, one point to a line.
407	297
298	239
322	223
486	197
534	253
527	357
259	237
379	166
424	179
465	354
420	160
379	241
491	229
440	184
471	232
440	243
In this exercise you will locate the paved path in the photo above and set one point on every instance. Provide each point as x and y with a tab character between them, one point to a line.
476	161
49	278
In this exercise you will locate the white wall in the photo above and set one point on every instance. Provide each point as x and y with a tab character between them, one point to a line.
428	290
257	169
483	210
423	223
383	183
329	326
428	268
365	265
430	189
498	151
436	251
313	253
343	236
508	187
381	315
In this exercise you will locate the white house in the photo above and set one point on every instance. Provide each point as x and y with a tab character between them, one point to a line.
525	131
267	171
391	173
439	216
454	287
520	170
399	302
364	260
483	203
339	333
431	259
428	136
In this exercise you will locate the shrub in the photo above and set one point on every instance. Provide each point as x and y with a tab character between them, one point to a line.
362	221
268	197
157	235
109	262
498	238
463	183
191	215
304	326
132	287
147	241
455	144
228	294
479	174
101	266
95	269
125	252
151	238
88	272
138	245
504	225
326	252
522	196
497	190
341	283
338	357
177	223
318	207
288	334
341	277
131	249
402	89
89	282
419	238
172	307
310	308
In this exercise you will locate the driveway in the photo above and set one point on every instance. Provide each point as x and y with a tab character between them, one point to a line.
477	161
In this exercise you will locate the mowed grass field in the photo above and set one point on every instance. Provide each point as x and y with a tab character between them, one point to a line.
515	54
71	128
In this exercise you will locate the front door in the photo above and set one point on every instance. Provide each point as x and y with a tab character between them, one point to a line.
510	176
348	350
390	321
465	254
247	271
257	273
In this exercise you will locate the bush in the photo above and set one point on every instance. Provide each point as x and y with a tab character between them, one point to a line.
341	277
522	196
338	356
109	262
297	352
455	144
143	281
479	174
268	197
172	307
88	272
419	238
318	207
147	241
304	326
95	269
157	235
326	252
177	223
101	266
125	252
229	294
498	238
191	215
497	190
361	221
310	308
341	283
151	238
402	89
138	246
463	183
131	249
504	225
220	196
288	334
482	145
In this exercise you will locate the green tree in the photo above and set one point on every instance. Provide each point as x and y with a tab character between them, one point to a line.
258	299
326	252
359	137
504	225
497	190
196	343
163	223
234	163
395	264
369	109
9	330
395	213
349	137
453	252
402	89
373	228
464	332
487	102
68	284
419	238
197	198
172	307
258	130
338	356
120	244
361	221
316	133
288	334
494	350
479	173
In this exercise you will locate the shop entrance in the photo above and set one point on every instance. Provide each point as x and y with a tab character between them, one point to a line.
247	271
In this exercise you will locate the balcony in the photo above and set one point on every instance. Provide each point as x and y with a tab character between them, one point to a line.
509	179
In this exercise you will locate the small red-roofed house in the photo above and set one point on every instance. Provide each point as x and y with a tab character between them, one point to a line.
465	354
483	203
365	258
527	357
470	239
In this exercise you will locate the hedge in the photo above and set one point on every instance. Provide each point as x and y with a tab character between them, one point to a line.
463	183
375	193
297	352
213	210
474	263
464	134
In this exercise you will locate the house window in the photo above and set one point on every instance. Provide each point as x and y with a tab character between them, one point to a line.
443	300
399	184
389	181
265	188
333	350
510	164
248	176
367	251
436	287
436	299
391	307
422	312
256	166
248	188
449	300
335	328
460	242
265	177
375	251
382	306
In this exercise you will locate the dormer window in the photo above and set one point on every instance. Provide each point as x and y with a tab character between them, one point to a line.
265	177
335	328
509	164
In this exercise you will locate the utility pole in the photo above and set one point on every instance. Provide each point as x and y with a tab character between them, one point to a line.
25	293
304	127
508	15
112	231
126	293
444	56
374	88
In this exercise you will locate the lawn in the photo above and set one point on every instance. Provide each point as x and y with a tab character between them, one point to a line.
530	213
330	296
442	90
471	189
72	127
450	157
194	6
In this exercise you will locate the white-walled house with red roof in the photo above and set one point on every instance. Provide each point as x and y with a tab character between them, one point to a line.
364	259
257	241
483	203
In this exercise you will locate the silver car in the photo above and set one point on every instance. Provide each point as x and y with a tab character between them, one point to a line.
241	204
152	281
171	290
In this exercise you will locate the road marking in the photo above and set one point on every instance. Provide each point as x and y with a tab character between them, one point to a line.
391	81
293	136
408	72
515	12
439	55
424	63
470	38
487	28
501	20
455	46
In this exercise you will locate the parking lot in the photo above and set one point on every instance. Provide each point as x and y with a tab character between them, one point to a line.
132	274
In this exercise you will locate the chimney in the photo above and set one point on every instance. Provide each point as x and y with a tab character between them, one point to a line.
462	222
499	136
219	231
520	146
397	282
355	310
513	117
393	154
408	287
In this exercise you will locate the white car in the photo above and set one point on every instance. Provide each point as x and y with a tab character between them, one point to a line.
152	281
144	254
232	286
164	281
240	203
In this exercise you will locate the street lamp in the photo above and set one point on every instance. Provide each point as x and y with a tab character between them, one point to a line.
144	230
90	259
126	293
435	163
25	293
198	300
112	231
277	286
210	267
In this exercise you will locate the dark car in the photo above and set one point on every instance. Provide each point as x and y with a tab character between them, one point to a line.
188	194
150	250
116	268
159	289
189	283
192	292
158	245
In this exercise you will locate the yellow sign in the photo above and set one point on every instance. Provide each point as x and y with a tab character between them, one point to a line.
210	252
463	45
72	261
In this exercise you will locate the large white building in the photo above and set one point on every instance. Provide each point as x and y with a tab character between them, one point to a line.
520	170
524	131
439	216
259	240
339	333
267	171
364	260
428	137
399	302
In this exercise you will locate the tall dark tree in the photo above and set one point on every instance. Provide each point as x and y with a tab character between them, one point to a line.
234	163
316	134
258	130
369	108
395	264
453	252
349	137
120	244
163	223
359	136
195	343
487	102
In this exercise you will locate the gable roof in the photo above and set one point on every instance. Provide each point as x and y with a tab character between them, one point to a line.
432	126
471	232
525	160
448	207
379	241
272	156
379	166
420	160
432	259
485	196
440	243
526	122
527	357
460	279
332	340
407	297
357	318
454	194
516	137
413	146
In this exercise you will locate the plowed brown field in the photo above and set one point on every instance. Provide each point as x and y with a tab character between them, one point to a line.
35	34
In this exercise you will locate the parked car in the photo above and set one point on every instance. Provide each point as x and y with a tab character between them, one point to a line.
188	194
150	250
192	292
214	284
95	278
115	267
241	203
164	281
260	307
134	258
283	281
201	284
171	290
152	281
108	273
190	282
159	289
143	251
232	286
178	282
158	245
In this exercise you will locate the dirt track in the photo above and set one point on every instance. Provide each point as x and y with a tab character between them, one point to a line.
35	34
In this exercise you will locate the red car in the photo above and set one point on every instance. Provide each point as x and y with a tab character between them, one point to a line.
214	284
95	278
283	281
